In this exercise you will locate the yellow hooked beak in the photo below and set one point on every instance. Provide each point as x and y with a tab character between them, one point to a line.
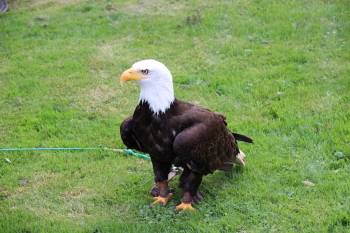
130	74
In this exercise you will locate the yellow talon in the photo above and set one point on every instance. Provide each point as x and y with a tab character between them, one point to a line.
184	206
162	200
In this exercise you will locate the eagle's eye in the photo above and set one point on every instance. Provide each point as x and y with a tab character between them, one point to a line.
145	71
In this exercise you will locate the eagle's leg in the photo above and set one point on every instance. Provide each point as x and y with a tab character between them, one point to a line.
174	171
155	190
164	195
189	182
161	171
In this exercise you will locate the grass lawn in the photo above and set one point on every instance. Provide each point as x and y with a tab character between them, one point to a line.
279	71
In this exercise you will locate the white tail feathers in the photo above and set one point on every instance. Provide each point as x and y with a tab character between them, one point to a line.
240	158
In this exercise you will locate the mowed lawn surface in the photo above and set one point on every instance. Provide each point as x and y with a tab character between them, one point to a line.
278	70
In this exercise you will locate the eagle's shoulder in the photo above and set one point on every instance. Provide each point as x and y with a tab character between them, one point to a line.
188	112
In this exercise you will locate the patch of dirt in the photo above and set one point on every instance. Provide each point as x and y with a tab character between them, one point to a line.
4	193
106	51
40	4
103	57
75	193
75	204
154	7
36	181
324	103
100	99
23	182
308	183
112	53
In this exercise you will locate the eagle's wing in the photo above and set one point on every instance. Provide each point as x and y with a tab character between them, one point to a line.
127	135
206	144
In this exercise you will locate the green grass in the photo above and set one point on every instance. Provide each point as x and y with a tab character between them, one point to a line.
279	71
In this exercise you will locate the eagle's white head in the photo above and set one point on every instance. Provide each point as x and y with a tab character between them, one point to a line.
155	81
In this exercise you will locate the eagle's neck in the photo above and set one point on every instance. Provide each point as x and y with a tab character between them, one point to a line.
159	97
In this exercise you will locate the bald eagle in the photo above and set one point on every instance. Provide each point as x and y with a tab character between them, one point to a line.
175	132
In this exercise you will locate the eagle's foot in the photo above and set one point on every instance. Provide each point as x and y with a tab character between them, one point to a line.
184	206
162	200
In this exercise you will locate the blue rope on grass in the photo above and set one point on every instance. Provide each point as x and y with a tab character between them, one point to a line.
125	151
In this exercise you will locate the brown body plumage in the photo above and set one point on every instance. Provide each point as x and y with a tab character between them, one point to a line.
185	135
